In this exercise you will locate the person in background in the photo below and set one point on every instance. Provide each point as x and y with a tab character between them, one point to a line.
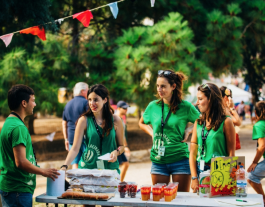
229	105
124	163
72	111
169	116
241	110
251	106
213	133
257	169
18	163
103	130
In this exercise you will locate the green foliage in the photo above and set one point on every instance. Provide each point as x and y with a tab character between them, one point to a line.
142	51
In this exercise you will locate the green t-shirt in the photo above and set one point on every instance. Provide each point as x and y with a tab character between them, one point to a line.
215	144
259	131
13	179
175	150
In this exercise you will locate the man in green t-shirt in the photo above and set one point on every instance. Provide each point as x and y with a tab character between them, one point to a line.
17	158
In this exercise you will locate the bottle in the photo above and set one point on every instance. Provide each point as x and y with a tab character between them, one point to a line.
241	183
204	184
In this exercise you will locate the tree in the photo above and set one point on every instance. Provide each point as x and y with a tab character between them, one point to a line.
142	51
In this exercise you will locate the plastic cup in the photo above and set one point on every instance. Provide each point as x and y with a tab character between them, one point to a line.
145	192
129	186
157	190
122	187
133	190
168	193
177	186
162	190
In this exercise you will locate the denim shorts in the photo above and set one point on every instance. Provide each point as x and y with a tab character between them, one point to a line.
78	156
14	199
180	167
259	173
122	158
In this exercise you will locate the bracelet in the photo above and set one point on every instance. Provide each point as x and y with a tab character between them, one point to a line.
118	150
66	166
254	163
66	140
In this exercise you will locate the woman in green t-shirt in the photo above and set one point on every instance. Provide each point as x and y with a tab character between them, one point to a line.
168	117
213	134
257	170
103	129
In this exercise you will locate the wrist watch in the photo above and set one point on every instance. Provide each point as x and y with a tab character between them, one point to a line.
193	178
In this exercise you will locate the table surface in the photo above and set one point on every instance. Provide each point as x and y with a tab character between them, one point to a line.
182	199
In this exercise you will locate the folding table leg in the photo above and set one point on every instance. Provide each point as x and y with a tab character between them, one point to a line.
56	204
65	205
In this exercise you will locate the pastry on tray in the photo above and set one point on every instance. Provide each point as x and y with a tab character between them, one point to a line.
85	196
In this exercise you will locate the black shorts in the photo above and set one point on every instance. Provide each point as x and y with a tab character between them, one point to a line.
122	158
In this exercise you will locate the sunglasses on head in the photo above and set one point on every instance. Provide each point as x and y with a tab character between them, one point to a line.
160	72
205	85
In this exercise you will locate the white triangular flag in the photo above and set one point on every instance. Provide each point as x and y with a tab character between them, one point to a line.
7	38
59	21
152	3
50	136
114	9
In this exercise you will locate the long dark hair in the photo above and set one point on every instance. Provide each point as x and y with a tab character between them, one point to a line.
108	111
260	110
223	89
216	112
178	78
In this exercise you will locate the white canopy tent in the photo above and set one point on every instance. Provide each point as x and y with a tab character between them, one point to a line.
237	93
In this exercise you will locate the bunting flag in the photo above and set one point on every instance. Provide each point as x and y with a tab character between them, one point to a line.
7	38
152	3
50	137
59	21
84	17
114	9
35	31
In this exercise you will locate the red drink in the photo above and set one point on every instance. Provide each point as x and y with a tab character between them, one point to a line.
157	190
122	187
133	190
145	192
168	192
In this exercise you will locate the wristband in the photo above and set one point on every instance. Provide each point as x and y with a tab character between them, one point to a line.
118	150
254	163
66	166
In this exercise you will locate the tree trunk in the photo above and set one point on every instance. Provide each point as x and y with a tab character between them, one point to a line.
29	122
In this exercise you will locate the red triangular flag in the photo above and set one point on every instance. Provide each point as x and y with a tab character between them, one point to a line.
84	17
35	31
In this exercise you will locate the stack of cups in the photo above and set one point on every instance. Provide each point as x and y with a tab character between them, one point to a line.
168	192
157	190
145	192
163	185
133	190
122	189
175	189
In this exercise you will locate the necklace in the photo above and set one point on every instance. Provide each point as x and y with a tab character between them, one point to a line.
99	123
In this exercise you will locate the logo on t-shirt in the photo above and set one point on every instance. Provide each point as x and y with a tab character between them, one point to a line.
90	155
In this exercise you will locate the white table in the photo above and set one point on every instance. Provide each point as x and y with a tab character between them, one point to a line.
182	199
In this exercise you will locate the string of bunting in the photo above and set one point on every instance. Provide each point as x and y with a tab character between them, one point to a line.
84	17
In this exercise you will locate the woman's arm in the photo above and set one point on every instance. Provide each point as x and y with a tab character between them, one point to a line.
230	136
146	128
235	117
78	138
119	138
192	159
259	153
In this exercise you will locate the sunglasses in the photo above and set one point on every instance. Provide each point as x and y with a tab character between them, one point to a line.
160	72
205	85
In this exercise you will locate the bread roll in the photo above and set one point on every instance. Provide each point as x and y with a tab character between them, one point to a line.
85	196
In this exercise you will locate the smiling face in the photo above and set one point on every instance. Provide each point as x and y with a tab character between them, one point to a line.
164	89
30	105
95	102
202	102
